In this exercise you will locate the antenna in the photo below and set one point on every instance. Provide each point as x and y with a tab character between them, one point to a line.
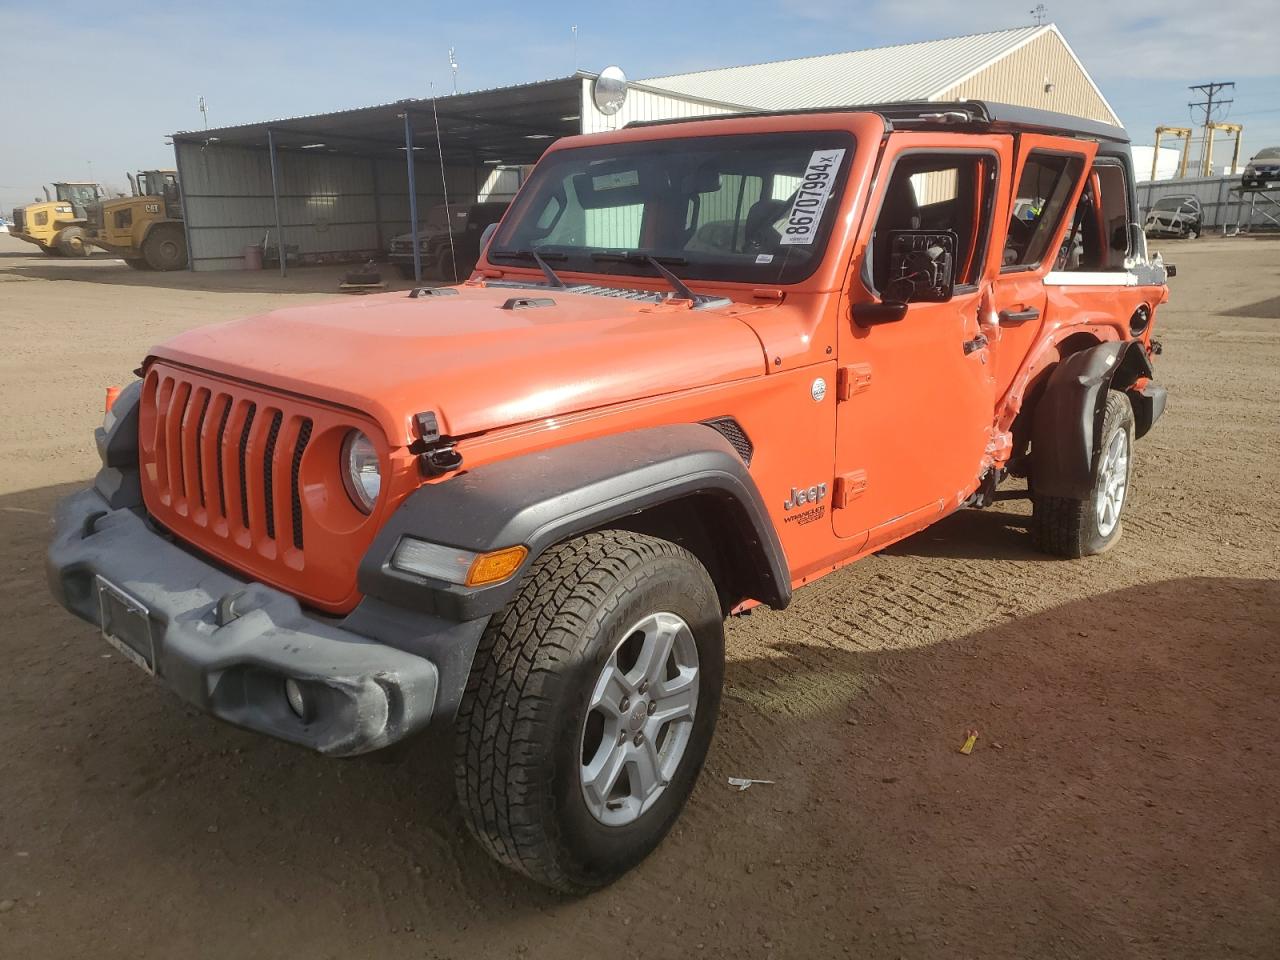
444	186
1041	14
204	111
453	65
574	31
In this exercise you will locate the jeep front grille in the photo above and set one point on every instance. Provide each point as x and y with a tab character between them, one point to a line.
225	467
235	495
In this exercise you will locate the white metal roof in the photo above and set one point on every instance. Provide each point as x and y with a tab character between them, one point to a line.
909	71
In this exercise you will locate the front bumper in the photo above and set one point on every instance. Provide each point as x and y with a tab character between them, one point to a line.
361	694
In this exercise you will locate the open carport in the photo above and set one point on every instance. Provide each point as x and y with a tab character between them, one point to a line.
338	186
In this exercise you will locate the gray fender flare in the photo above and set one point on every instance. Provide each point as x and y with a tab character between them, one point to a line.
1067	422
543	498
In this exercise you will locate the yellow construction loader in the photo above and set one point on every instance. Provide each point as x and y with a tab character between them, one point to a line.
146	229
57	224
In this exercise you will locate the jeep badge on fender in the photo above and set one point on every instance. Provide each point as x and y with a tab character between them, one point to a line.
607	404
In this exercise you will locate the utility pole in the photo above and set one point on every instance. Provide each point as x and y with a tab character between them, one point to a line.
204	111
1209	104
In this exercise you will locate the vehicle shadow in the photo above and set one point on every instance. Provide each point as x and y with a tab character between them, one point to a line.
991	534
1125	770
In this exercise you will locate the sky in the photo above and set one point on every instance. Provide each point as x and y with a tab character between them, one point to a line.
90	90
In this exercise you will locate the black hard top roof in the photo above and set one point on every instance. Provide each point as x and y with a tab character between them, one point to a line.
951	114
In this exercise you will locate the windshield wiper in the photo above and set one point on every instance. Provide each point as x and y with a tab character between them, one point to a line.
539	259
679	286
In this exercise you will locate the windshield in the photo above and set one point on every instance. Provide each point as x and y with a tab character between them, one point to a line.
1169	203
754	208
77	194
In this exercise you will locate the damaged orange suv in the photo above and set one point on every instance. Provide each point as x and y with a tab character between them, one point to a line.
700	365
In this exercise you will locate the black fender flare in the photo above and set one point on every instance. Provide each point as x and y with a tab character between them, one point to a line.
1067	422
543	498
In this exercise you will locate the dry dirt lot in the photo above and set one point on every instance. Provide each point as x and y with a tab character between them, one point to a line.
1123	799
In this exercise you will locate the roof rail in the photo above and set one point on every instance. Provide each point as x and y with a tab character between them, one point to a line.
933	114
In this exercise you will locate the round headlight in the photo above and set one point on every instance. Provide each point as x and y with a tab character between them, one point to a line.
361	471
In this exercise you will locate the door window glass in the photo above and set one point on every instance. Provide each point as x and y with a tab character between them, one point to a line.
1038	206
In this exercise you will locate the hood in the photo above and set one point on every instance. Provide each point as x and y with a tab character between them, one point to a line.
476	364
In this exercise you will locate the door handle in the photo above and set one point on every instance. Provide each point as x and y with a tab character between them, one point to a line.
1019	316
977	343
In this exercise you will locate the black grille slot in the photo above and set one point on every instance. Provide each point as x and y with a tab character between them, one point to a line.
268	495
204	409
304	437
244	476
732	431
222	431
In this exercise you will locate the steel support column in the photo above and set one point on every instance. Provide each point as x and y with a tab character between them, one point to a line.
182	196
275	196
413	198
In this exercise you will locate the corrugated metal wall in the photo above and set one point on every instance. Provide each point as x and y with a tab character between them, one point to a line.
641	105
1020	79
1220	206
331	205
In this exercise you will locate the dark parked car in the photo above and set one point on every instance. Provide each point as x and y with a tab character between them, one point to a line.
466	243
1263	170
1178	216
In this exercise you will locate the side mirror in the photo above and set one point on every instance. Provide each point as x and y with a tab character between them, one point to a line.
921	266
878	311
486	236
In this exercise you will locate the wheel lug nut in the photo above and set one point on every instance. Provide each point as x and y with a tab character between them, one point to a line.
625	705
622	737
652	708
639	739
644	685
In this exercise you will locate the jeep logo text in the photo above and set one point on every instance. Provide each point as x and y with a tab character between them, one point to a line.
801	497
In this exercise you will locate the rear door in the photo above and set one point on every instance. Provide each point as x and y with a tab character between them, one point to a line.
914	395
1048	177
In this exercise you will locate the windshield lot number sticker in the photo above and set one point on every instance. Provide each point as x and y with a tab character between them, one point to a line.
811	199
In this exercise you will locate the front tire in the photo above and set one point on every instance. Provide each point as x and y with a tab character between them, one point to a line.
590	708
165	247
1082	528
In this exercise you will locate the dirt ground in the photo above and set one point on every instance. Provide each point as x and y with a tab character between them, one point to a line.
1123	799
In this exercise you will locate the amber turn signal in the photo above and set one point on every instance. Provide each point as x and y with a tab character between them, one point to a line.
495	565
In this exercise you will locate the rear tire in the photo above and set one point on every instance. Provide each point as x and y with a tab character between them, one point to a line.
544	763
137	263
165	247
1082	528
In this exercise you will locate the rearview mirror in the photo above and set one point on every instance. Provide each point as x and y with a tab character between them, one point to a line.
921	266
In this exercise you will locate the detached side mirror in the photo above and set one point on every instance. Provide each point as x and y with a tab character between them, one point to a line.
922	266
877	312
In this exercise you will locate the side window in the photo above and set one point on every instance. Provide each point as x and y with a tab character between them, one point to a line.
937	192
1098	238
1038	206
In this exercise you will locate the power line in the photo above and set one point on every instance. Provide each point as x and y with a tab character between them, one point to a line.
1210	103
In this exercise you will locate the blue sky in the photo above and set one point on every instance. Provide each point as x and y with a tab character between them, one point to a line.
63	115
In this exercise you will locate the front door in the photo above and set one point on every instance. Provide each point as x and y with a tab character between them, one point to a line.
916	395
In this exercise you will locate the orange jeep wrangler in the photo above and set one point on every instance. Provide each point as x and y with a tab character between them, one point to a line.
701	364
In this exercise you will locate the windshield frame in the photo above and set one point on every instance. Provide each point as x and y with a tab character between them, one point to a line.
553	173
